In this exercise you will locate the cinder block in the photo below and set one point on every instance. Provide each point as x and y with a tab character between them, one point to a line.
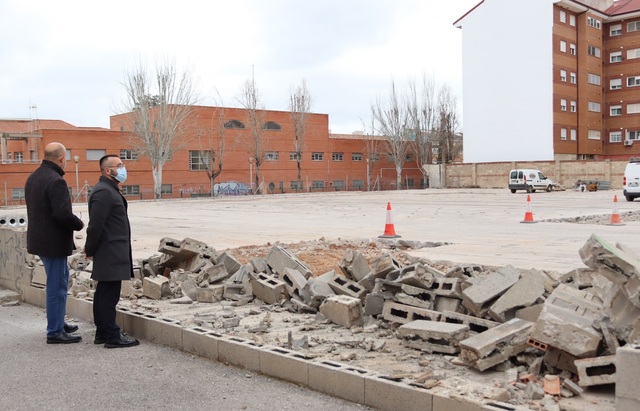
446	287
447	303
418	297
415	275
279	258
354	266
373	304
382	393
169	246
317	289
560	359
343	286
599	255
487	289
403	314
230	262
210	294
596	371
260	265
531	313
443	402
35	296
188	287
294	281
268	289
163	331
383	265
627	369
284	364
337	380
201	342
624	316
155	287
83	309
527	291
476	325
433	336
496	345
343	310
216	273
239	352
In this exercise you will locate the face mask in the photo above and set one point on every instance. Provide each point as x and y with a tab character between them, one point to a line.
121	176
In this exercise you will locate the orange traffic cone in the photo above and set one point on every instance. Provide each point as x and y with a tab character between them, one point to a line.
389	230
615	216
528	216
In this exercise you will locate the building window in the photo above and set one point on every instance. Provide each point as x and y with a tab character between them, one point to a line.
317	156
633	54
563	105
563	46
271	156
593	51
615	110
563	16
95	154
615	137
17	194
130	190
271	125
615	84
358	184
296	185
572	49
573	106
633	81
337	156
593	79
615	57
633	108
615	30
199	160
633	26
574	134
593	135
593	106
166	189
317	185
563	134
595	23
563	75
633	135
356	156
234	124
128	154
293	156
338	185
18	157
572	78
572	20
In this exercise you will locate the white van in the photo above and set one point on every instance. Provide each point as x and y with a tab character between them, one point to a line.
631	183
529	180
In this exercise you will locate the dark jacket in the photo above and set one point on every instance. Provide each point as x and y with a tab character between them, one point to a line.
109	233
51	221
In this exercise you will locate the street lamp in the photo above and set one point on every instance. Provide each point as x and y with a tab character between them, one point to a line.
251	173
76	159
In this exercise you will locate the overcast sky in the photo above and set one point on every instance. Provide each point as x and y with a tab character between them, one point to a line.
68	57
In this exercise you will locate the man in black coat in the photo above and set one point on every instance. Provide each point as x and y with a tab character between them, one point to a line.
50	236
109	244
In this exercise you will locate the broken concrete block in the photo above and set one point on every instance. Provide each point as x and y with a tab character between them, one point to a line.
344	286
528	290
354	265
433	336
580	302
403	314
415	296
267	288
342	310
479	296
126	289
560	359
534	391
383	265
260	265
235	292
210	294
575	388
230	262
279	258
169	246
194	264
189	287
624	316
317	289
616	263
496	345
155	287
531	313
476	325
446	287
415	275
596	371
373	304
632	290
216	273
294	280
627	366
447	303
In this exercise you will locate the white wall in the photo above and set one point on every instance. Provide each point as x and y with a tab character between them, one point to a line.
507	81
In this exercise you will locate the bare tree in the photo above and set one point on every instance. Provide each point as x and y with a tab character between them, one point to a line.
423	117
212	142
250	99
299	105
448	123
159	106
391	118
372	150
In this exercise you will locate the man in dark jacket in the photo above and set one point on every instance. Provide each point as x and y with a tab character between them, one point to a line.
109	244
50	236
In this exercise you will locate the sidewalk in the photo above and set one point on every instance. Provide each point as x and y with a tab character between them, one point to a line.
38	376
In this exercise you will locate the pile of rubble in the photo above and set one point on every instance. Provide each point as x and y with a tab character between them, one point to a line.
553	333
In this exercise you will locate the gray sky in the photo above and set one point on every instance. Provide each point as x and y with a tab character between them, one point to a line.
68	57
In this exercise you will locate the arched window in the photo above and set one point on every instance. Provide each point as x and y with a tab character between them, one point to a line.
271	125
234	124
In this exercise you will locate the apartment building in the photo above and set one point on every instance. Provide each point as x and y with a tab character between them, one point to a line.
551	80
330	162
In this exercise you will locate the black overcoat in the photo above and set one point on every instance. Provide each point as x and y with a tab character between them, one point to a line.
109	233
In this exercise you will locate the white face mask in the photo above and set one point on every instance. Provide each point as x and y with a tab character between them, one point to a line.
121	175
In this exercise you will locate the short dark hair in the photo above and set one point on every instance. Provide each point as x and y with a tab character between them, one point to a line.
103	160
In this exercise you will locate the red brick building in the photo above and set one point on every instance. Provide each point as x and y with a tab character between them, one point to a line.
329	162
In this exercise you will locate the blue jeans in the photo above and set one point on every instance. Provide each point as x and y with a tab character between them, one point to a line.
57	286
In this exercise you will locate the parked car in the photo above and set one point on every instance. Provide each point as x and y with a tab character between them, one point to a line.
529	180
230	188
631	183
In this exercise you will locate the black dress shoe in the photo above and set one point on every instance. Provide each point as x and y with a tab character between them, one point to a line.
64	338
100	339
122	342
70	328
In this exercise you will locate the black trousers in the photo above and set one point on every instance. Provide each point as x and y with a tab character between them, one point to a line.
105	300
